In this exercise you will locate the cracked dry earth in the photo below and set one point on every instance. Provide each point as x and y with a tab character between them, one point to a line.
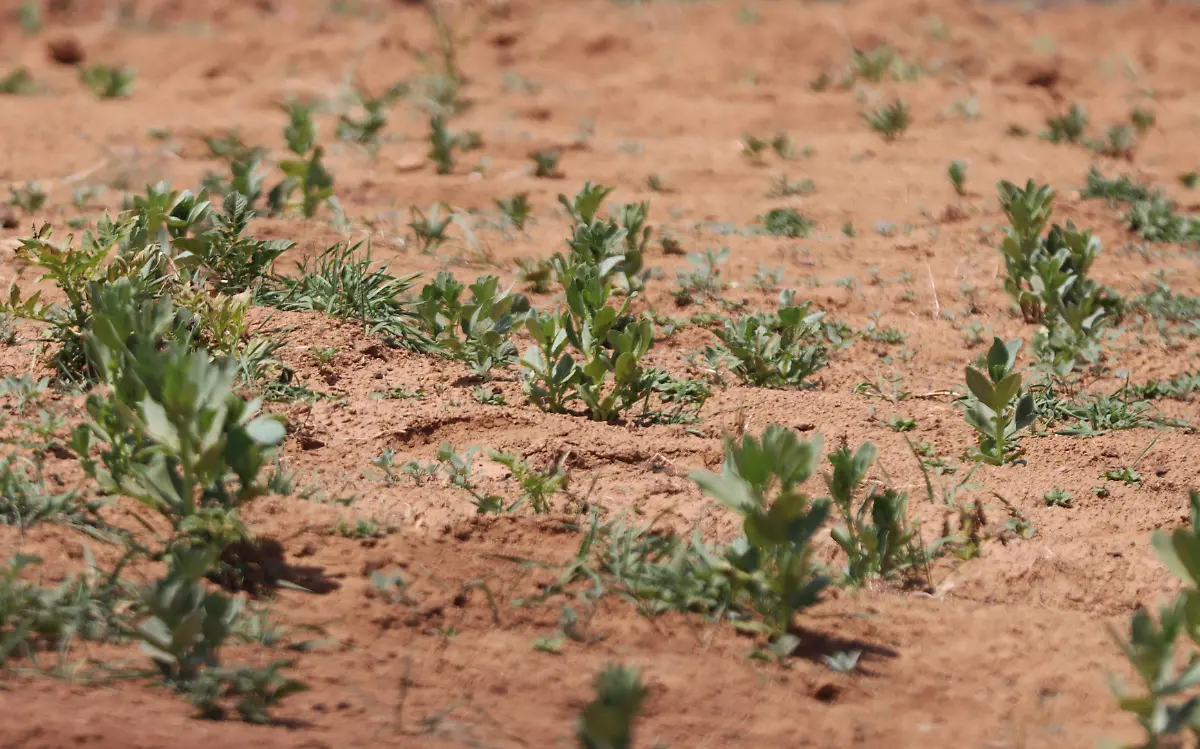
1009	649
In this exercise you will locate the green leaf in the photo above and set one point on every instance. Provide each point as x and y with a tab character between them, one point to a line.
981	388
266	430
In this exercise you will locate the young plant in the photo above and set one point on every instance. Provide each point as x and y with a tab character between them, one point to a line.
343	283
874	534
703	282
183	633
610	245
606	343
306	173
536	486
1067	128
441	144
172	432
107	81
771	568
889	121
545	164
234	262
999	409
786	222
429	229
369	116
1048	277
516	209
1168	705
19	82
957	172
780	349
29	198
607	721
475	331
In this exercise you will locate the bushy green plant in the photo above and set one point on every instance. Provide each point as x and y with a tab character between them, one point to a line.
107	81
590	351
342	282
476	331
1048	276
612	246
957	173
183	632
874	534
890	121
138	250
771	567
1067	128
607	721
786	222
171	431
1168	705
305	173
998	409
779	349
368	116
234	263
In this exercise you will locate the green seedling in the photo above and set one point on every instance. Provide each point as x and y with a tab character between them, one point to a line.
957	172
19	82
476	331
429	229
874	533
607	721
1048	276
754	149
1067	128
1118	142
536	274
441	145
234	262
1058	498
545	164
702	283
1167	706
786	222
998	409
1142	119
183	633
516	209
780	349
368	116
1122	189
889	121
488	397
771	567
602	367
843	662
107	82
537	487
305	174
782	187
343	283
30	198
612	246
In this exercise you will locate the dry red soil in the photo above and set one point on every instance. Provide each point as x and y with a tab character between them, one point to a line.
1010	649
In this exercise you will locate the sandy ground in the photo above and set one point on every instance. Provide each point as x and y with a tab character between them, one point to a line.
1010	650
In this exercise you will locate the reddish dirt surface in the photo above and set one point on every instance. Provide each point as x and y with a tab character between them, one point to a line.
1011	650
